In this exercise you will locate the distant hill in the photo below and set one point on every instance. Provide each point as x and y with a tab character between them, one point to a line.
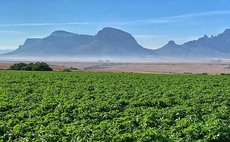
111	42
107	42
204	47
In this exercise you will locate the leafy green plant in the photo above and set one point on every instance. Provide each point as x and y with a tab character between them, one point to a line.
38	66
84	106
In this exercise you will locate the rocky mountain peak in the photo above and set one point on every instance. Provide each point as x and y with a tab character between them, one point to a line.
225	36
171	43
108	33
227	31
109	30
62	33
205	37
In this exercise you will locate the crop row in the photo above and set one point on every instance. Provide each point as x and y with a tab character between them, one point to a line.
80	106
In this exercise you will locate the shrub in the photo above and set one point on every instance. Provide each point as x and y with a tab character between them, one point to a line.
38	66
18	66
41	66
66	70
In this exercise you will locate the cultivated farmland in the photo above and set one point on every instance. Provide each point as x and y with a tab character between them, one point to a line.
84	106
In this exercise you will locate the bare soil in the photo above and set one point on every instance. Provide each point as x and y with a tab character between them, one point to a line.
164	67
140	67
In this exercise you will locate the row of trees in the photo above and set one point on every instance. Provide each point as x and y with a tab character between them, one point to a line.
38	66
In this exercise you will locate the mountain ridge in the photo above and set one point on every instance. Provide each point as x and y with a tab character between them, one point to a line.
214	46
117	43
107	42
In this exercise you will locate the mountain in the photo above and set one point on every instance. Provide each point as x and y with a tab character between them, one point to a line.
107	42
171	49
111	42
204	47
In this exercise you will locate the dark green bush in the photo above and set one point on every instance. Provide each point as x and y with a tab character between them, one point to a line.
41	66
18	66
38	66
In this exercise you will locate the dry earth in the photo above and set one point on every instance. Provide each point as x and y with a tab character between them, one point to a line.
140	67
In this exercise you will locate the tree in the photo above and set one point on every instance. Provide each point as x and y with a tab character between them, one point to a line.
41	66
18	66
28	67
38	66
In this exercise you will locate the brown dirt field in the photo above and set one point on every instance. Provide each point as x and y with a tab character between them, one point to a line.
151	67
141	67
4	66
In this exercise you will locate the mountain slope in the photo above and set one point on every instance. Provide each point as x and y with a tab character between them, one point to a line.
171	49
204	47
58	43
107	42
110	42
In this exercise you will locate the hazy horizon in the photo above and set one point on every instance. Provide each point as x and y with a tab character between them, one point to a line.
152	23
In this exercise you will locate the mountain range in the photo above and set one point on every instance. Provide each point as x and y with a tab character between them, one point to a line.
214	46
107	42
111	42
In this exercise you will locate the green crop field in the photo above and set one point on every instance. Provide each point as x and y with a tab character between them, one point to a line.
78	106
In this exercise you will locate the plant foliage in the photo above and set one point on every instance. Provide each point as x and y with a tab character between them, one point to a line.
70	106
38	66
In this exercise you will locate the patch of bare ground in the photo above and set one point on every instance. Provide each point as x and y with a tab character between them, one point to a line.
141	67
4	66
155	67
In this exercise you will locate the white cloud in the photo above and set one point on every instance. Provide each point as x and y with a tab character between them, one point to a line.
202	14
9	32
164	20
175	18
161	20
42	24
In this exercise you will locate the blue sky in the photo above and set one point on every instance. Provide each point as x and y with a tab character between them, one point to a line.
152	22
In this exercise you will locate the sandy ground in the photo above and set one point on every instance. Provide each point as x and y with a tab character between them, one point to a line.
5	65
141	67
